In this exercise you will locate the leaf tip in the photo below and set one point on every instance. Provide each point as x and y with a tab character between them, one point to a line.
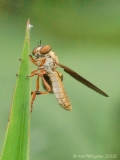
29	26
28	22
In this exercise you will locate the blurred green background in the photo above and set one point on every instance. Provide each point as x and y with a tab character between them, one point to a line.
86	37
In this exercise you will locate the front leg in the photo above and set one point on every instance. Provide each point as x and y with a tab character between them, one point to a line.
35	61
32	60
43	61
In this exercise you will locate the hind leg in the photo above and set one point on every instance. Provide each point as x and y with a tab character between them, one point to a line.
37	92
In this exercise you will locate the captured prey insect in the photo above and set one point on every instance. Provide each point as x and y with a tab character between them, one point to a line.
47	62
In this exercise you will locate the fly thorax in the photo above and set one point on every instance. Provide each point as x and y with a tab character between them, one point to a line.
53	56
49	65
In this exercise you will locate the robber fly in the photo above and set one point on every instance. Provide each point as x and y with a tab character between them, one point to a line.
47	62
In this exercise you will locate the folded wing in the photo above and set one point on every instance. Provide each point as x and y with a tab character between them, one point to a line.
82	80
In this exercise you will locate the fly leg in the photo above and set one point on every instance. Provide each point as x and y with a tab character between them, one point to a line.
33	73
43	61
32	60
46	86
37	92
35	61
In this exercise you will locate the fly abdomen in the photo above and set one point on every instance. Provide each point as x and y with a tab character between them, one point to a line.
59	91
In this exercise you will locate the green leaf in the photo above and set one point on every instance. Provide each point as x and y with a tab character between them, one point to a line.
16	145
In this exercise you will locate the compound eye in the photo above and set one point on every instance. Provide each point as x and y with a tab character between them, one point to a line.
45	49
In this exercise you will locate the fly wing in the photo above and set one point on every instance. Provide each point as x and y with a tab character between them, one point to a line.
82	80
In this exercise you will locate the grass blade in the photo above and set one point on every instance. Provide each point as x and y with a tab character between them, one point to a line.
16	145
